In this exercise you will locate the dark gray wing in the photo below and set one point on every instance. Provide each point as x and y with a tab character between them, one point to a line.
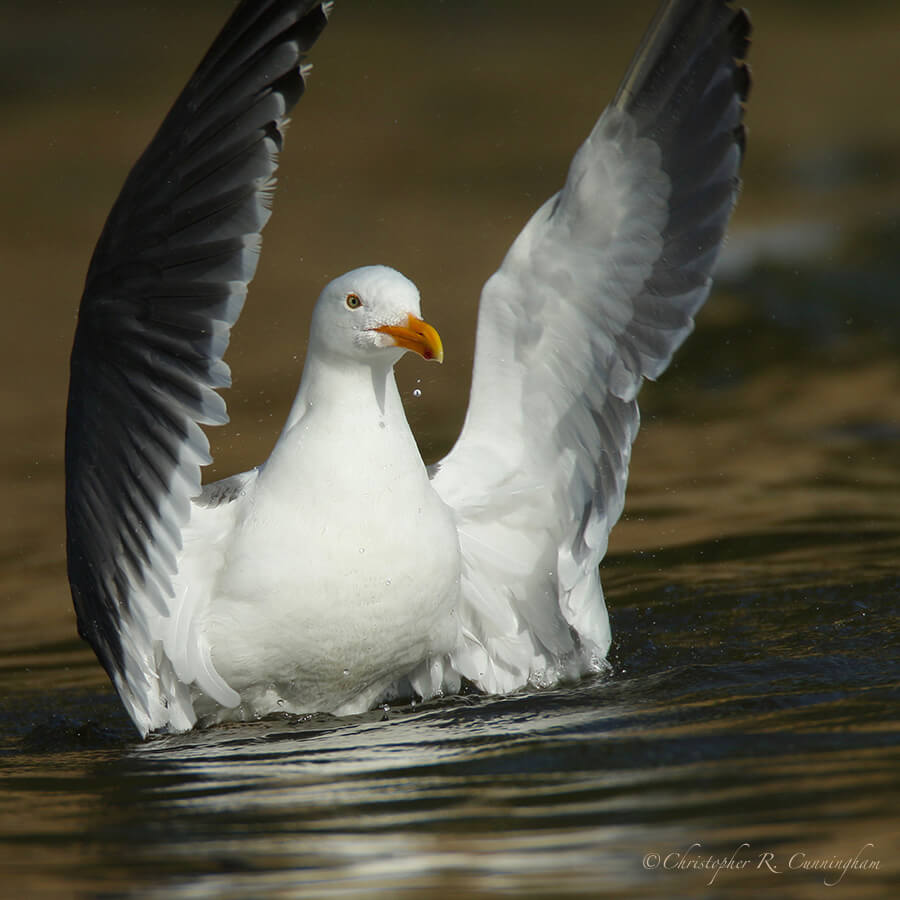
594	296
166	282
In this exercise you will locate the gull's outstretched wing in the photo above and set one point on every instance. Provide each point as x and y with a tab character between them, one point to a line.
594	296
166	283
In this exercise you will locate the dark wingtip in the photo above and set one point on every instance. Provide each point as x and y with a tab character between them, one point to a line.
743	81
310	26
741	28
740	138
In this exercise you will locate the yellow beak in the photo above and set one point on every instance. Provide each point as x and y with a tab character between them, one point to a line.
417	336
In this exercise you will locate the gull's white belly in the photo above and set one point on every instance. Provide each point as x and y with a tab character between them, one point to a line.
325	612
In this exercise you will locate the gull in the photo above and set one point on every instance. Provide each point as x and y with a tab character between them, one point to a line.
342	572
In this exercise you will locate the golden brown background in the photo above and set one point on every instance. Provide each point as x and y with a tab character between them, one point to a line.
429	133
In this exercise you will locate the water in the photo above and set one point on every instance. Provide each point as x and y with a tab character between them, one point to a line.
749	722
761	717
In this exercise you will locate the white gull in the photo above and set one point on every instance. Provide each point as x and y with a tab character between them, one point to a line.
341	571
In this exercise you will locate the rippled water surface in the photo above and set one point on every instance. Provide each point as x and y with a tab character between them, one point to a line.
746	739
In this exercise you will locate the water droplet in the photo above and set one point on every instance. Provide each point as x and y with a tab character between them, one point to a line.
281	702
386	707
362	549
346	672
388	582
417	393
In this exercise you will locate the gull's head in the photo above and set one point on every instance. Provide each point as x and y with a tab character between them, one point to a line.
373	313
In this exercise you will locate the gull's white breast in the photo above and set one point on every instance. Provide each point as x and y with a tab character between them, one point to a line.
341	575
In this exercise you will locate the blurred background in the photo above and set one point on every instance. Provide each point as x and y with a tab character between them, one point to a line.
429	134
752	582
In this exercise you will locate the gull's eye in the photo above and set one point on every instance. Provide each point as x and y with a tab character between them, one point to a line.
353	301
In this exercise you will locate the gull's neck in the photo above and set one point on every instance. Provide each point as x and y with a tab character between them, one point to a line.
338	386
347	403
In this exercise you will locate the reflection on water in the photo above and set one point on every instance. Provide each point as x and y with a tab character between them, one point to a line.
753	583
757	719
765	718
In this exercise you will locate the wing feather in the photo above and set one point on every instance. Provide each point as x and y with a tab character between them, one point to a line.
594	296
167	280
